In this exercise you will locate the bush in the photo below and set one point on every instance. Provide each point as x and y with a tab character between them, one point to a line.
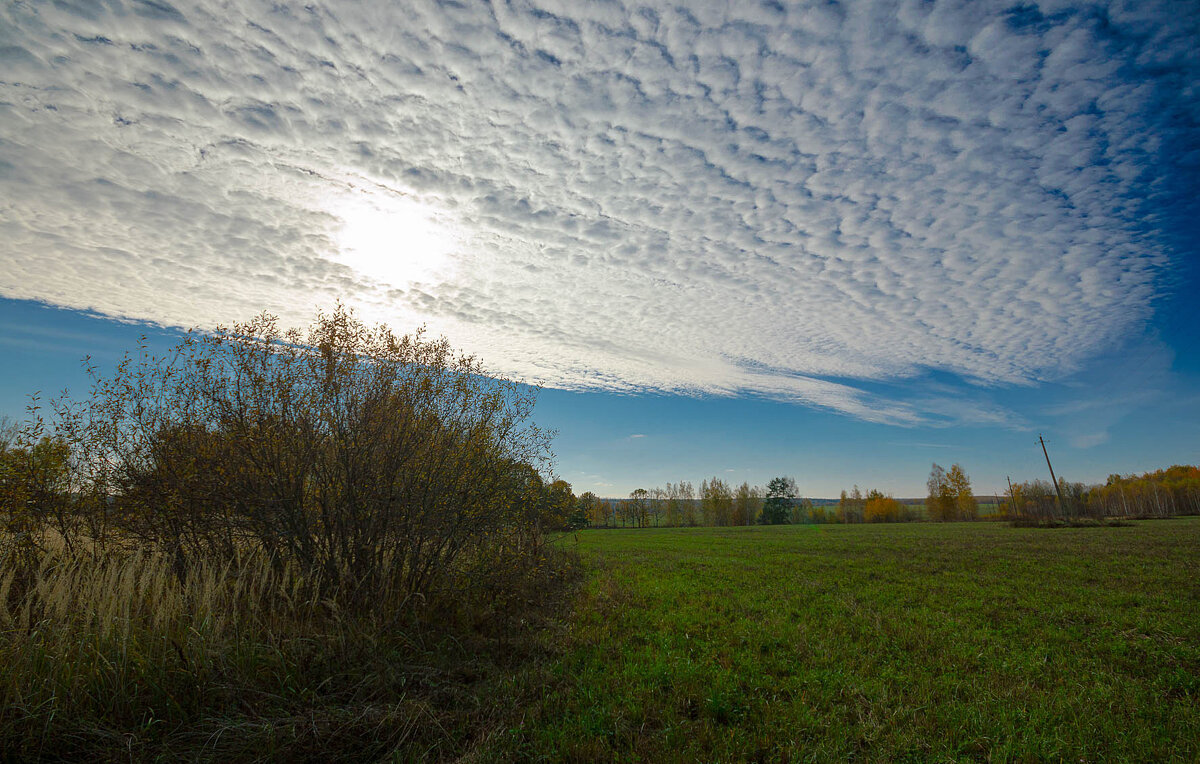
381	463
882	509
275	545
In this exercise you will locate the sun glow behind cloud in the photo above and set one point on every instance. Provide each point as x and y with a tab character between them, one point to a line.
394	240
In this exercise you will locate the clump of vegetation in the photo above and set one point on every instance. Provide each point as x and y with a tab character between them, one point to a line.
264	540
874	507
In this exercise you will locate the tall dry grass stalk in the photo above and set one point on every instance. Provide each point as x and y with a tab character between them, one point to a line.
119	652
124	593
125	633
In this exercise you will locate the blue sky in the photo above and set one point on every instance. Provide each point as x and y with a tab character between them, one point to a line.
838	241
609	442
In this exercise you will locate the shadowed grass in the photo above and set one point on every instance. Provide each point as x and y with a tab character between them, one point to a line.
243	660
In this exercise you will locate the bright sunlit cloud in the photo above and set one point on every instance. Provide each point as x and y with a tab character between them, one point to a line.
835	204
393	239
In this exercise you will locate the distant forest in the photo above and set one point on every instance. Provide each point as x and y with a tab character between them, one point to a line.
1163	493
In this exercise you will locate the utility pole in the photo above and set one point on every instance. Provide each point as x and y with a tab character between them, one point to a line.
1062	507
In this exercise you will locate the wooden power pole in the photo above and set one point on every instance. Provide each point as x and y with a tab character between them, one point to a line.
1062	507
1012	498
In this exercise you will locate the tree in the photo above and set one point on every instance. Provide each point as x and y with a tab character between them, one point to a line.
959	486
639	500
850	507
578	519
34	485
9	432
1175	490
781	494
673	510
593	509
941	504
820	514
716	502
560	504
1035	500
687	503
656	504
747	503
804	512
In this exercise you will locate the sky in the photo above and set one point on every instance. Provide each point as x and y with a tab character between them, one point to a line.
838	241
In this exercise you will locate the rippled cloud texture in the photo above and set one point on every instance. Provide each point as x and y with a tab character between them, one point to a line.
798	201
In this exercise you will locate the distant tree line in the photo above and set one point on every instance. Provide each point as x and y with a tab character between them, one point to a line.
1163	493
950	498
717	503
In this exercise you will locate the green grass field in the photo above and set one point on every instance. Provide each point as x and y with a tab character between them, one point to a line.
906	642
916	642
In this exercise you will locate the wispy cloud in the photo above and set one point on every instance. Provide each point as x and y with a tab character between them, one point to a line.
714	199
1090	439
1085	406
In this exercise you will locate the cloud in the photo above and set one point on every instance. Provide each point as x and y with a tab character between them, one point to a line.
793	202
636	436
1090	439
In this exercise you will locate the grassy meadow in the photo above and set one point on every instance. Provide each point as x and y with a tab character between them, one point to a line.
918	642
909	642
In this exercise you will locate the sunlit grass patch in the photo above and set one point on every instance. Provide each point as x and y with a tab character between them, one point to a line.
921	642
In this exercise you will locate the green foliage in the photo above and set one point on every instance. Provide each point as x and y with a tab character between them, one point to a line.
781	495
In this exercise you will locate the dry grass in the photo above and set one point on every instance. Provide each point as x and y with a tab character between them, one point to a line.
121	658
